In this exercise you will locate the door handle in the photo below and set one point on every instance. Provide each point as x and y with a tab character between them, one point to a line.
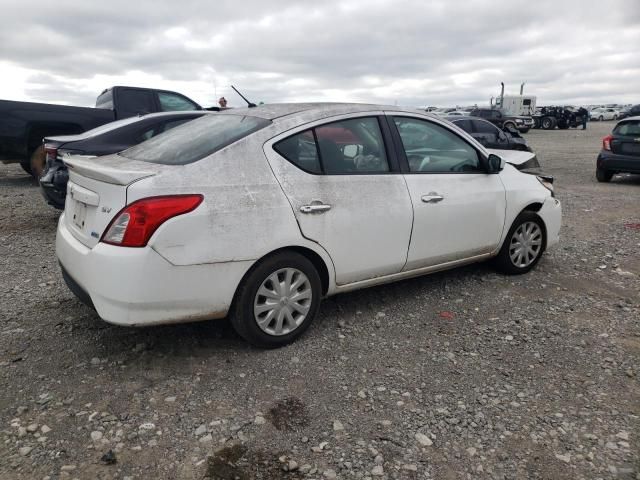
432	197
315	208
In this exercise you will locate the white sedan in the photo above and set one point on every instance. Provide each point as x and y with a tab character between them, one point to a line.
259	213
600	114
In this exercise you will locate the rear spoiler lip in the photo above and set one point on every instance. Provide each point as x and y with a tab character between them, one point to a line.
87	166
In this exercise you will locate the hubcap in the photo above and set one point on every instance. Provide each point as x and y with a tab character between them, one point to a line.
283	301
526	244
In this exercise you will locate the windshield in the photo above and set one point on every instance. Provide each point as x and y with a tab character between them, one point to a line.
195	140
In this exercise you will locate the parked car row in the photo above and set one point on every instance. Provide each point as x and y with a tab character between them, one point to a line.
261	212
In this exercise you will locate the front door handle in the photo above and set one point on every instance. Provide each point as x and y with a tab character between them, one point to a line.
432	197
315	208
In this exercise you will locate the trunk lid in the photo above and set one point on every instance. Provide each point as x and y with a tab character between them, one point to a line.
97	191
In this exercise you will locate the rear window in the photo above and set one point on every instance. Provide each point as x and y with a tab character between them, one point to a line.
105	100
630	128
195	140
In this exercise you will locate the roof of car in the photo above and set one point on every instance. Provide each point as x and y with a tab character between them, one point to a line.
320	110
454	118
636	118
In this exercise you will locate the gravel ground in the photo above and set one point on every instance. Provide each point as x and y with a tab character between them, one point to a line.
462	374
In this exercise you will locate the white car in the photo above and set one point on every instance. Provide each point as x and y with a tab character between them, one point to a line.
601	114
261	212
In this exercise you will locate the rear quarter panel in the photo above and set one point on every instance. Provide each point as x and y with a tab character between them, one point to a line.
244	215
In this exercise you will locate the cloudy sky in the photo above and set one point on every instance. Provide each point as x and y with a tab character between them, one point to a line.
408	52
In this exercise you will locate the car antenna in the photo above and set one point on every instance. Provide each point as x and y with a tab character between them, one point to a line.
249	104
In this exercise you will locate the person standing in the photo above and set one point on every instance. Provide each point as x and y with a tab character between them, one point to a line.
585	116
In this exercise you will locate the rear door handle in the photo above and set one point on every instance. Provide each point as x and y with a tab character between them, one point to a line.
315	208
432	197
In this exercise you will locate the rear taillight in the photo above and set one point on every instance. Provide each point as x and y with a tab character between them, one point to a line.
606	142
134	225
51	153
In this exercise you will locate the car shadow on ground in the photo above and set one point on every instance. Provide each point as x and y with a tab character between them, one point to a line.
625	179
18	181
207	338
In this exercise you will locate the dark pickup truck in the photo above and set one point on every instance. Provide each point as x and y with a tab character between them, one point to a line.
502	120
23	125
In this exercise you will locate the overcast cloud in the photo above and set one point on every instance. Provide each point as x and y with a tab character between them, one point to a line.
405	52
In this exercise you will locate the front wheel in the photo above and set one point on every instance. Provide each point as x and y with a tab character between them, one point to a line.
277	301
523	246
524	130
603	175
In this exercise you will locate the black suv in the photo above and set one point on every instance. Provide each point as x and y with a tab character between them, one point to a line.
490	136
620	151
503	121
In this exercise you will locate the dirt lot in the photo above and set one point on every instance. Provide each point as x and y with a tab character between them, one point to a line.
464	374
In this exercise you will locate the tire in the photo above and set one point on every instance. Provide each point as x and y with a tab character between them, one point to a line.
25	163
601	118
524	130
603	176
37	162
248	303
527	228
536	123
615	117
548	123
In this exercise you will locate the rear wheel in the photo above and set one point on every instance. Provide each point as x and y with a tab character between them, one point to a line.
277	301
603	175
523	246
548	123
37	162
26	165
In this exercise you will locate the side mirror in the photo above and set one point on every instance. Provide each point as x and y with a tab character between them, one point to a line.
495	163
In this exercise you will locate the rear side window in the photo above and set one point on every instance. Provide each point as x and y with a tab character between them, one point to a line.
195	140
136	102
630	128
353	146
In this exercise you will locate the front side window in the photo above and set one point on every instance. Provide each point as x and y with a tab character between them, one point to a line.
301	150
170	102
195	140
486	127
431	148
465	125
353	146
